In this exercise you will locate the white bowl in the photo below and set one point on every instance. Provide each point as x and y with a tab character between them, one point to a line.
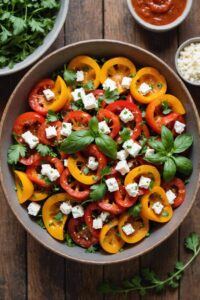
160	28
181	47
48	41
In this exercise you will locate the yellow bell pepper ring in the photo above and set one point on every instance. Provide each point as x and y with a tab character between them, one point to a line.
38	196
109	239
151	77
62	95
115	69
24	186
147	170
157	194
90	68
139	224
50	209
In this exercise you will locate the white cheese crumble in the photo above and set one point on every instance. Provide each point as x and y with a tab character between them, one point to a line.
144	182
97	223
103	127
188	62
109	84
132	189
179	127
128	229
122	155
104	215
77	211
90	101
157	207
51	132
51	173
78	94
66	208
112	184
149	151
79	76
49	94
92	163
33	209
144	88
126	82
122	167
171	196
126	115
30	139
65	162
66	129
132	148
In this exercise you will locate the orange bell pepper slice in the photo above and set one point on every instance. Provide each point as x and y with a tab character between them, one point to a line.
24	186
147	201
108	239
38	196
89	66
152	77
117	68
62	95
147	170
139	224
50	209
156	122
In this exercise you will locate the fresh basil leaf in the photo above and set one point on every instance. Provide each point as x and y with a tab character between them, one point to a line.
58	217
167	138
77	141
89	86
125	134
183	165
98	191
69	76
110	96
45	150
165	107
157	145
157	158
182	143
93	125
105	171
169	170
51	116
135	210
107	145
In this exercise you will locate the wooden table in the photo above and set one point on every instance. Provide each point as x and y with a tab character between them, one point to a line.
27	270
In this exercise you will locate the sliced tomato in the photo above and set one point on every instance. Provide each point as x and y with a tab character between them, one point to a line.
90	210
136	125
75	189
108	204
42	133
80	233
123	199
33	171
30	158
178	187
78	118
112	120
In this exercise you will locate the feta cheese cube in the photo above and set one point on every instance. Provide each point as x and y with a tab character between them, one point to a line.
179	127
144	89
45	169
97	223
66	129
79	76
132	189
132	147
126	115
53	174
126	82
144	182
122	155
65	162
157	207
30	139
112	184
33	209
77	211
109	84
171	196
49	94
122	167
66	208
90	101
50	132
92	163
104	215
103	127
130	164
78	94
149	151
128	229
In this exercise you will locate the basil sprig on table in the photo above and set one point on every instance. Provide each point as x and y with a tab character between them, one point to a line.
78	140
167	153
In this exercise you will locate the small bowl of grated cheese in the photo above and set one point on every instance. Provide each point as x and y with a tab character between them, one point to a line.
187	61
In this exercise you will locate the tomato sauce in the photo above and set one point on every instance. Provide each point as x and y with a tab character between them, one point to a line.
159	12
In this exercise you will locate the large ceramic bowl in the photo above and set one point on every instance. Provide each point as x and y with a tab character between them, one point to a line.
17	104
48	41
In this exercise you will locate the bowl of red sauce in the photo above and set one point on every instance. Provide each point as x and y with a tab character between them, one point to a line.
159	15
